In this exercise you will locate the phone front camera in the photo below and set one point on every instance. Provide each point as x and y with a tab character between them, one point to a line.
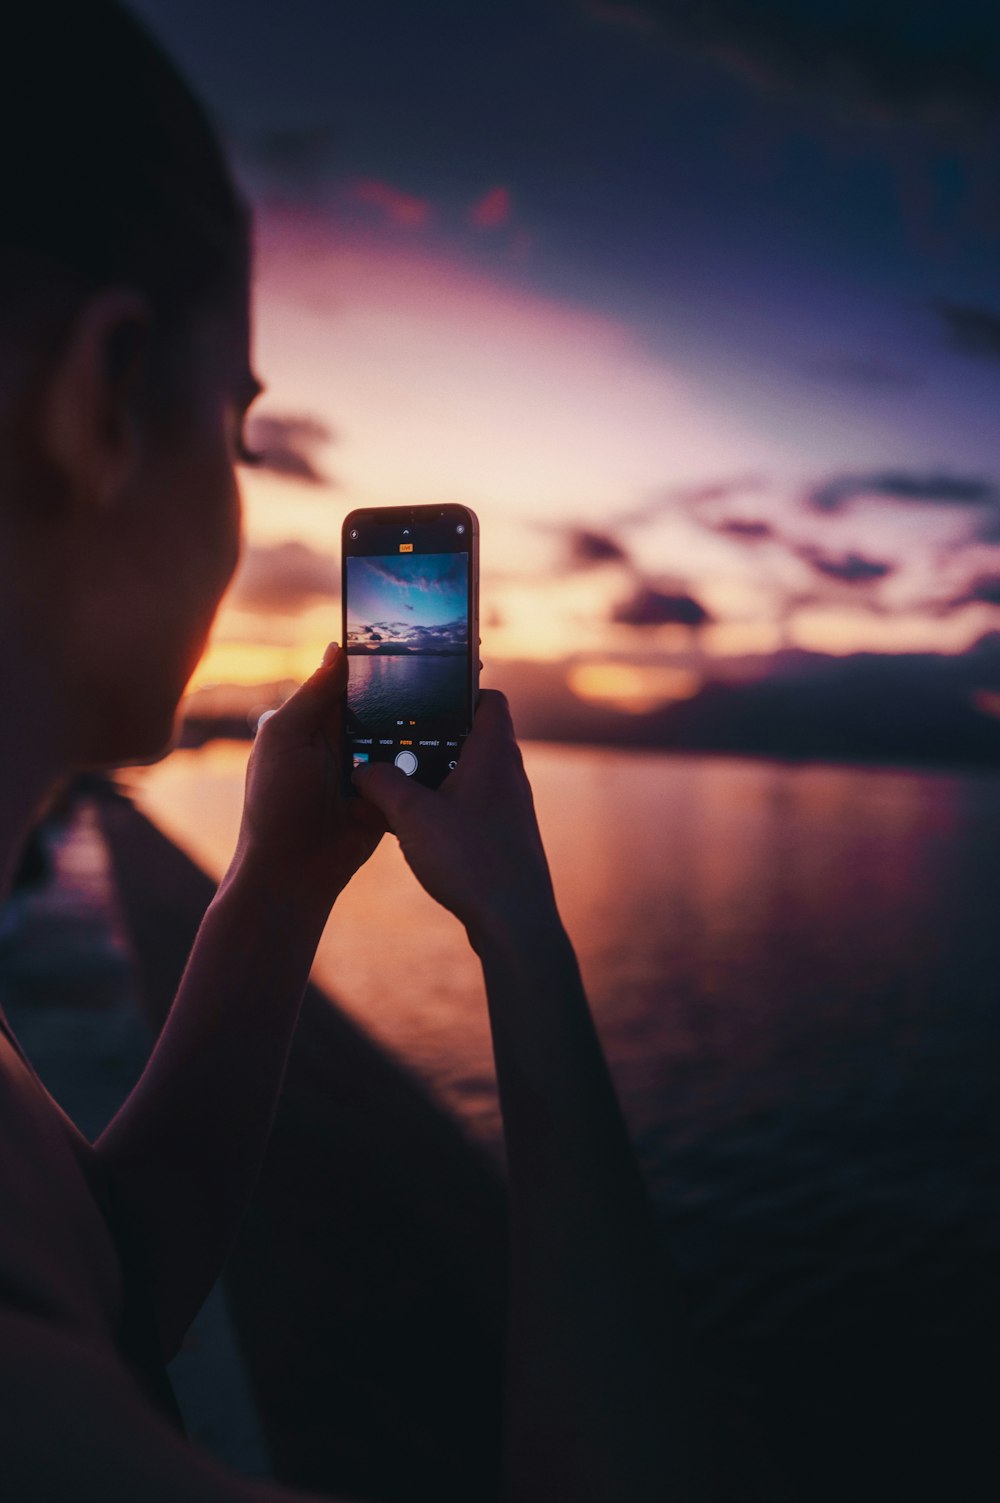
460	527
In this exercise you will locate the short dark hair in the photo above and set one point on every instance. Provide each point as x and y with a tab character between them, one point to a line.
112	172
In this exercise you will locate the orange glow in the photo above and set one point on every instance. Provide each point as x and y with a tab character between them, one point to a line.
448	383
632	686
845	631
256	662
440	380
734	638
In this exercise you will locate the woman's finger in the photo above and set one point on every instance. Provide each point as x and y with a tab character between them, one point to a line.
398	797
313	699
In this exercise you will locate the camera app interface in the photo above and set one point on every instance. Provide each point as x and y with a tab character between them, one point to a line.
408	648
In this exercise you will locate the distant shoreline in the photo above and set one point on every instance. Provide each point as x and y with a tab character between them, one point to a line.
197	732
909	709
406	652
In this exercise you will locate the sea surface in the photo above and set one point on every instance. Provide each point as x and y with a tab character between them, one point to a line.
424	686
795	971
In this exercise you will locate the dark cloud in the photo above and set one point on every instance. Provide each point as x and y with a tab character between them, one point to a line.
284	444
431	574
452	634
987	529
694	496
986	647
973	330
692	499
297	154
744	529
858	370
651	607
382	629
892	59
983	590
840	491
284	579
587	548
848	568
390	204
493	210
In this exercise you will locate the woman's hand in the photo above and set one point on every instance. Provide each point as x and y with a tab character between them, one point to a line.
297	826
473	843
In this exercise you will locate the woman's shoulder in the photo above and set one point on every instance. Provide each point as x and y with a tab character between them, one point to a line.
73	1423
57	1249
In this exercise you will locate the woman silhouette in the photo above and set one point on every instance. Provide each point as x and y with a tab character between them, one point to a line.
125	375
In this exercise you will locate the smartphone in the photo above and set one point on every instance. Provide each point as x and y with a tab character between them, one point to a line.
410	595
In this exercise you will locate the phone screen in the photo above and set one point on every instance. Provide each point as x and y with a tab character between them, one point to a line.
411	631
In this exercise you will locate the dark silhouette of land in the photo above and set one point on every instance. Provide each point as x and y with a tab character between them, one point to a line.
401	650
914	707
867	707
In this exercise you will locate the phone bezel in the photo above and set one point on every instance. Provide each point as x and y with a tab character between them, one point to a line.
389	516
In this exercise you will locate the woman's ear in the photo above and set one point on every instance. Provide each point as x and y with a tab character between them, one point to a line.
90	431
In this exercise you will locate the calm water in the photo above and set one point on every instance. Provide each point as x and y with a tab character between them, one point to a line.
794	970
382	687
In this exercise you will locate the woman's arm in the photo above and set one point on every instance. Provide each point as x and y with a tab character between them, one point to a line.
595	1373
185	1149
594	1405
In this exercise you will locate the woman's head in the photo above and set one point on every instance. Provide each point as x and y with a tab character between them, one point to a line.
124	373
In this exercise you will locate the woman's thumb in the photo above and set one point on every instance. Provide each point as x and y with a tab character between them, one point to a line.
320	691
397	797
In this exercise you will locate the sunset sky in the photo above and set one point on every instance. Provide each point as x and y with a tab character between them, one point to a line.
696	305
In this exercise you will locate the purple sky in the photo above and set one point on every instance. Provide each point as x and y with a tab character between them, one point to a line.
793	211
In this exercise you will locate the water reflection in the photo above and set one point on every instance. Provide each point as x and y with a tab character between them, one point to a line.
753	922
794	972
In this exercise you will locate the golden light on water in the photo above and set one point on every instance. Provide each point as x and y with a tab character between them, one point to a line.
632	687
